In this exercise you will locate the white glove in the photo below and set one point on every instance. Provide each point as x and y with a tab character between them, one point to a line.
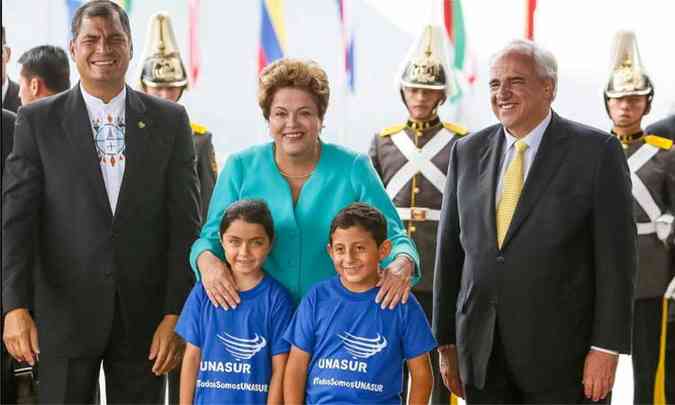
670	291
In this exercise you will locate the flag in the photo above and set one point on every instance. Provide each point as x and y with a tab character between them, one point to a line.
464	64
346	26
272	32
125	4
194	53
529	18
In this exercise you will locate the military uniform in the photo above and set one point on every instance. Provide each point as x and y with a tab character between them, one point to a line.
412	161
416	186
207	168
651	162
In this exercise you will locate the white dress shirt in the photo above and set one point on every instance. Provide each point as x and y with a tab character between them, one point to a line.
532	139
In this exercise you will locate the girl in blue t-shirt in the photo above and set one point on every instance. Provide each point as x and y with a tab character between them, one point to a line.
238	356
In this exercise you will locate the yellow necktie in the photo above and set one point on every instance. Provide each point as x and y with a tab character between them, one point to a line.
512	186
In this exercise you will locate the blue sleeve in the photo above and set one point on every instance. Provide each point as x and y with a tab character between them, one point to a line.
281	316
300	332
370	190
417	336
189	325
226	192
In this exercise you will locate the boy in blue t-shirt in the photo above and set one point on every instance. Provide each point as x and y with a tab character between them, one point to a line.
238	356
345	348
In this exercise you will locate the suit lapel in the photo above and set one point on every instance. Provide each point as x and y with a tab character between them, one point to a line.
137	139
77	128
552	150
489	172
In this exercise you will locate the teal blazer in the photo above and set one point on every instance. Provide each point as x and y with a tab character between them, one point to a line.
298	259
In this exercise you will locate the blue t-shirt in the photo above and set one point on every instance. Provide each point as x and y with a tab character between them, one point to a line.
237	345
357	349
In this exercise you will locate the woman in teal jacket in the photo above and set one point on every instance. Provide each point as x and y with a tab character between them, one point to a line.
305	182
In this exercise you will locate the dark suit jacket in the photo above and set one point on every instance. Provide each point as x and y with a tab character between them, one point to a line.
8	118
664	127
563	279
53	180
12	102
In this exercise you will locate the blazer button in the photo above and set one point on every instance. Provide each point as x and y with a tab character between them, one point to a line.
500	259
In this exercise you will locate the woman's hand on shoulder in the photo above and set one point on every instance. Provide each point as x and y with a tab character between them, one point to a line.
218	281
395	282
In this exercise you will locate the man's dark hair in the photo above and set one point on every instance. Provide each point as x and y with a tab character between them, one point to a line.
99	8
4	41
50	63
363	215
251	211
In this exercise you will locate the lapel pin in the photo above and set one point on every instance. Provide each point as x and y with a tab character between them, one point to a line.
141	124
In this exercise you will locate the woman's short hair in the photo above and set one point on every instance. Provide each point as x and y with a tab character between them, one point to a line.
305	75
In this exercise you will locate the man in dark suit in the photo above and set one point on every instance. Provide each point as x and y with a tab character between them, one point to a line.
45	71
10	89
7	387
664	127
107	174
536	248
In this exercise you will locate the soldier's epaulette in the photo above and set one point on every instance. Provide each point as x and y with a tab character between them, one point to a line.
392	130
452	127
658	141
198	128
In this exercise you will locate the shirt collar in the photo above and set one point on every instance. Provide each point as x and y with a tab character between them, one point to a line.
98	104
532	139
5	87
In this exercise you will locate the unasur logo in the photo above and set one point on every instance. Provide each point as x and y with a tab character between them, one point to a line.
361	347
242	349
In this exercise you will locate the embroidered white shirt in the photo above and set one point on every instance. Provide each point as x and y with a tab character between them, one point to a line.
108	123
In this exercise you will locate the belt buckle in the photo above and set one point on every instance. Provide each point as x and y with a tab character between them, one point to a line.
417	214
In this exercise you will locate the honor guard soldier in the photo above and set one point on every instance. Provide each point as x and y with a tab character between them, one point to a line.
651	160
411	158
163	75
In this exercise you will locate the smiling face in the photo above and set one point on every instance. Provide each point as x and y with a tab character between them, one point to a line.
520	98
627	112
294	122
101	52
421	102
356	257
246	247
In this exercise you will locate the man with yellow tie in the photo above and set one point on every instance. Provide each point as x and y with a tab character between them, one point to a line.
536	248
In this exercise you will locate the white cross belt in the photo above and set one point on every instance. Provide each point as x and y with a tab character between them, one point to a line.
419	161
